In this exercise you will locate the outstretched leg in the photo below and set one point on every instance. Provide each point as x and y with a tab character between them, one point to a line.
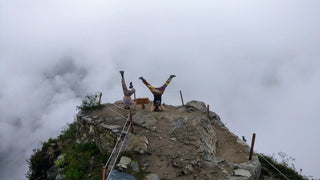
124	86
151	88
163	87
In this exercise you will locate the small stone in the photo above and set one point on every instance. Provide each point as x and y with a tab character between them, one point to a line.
61	177
187	170
135	166
87	119
124	162
95	117
115	131
242	172
173	139
152	177
177	164
111	127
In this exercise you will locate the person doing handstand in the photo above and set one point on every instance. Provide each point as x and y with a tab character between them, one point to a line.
157	93
127	93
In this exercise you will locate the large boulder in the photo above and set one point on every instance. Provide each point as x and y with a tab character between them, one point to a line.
253	166
124	163
195	130
196	105
137	143
201	106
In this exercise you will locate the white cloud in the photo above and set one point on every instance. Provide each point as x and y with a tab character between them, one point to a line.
255	63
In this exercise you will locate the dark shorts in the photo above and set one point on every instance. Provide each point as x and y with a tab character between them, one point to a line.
157	100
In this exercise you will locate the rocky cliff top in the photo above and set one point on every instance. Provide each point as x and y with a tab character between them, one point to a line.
179	143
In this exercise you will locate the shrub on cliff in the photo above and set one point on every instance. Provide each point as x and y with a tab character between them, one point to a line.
90	102
283	167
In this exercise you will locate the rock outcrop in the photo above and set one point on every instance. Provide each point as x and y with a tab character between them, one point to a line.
180	143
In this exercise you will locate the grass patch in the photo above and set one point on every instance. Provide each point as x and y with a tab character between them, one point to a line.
83	159
268	170
78	161
69	133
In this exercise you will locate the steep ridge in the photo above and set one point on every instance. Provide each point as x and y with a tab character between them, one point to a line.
180	143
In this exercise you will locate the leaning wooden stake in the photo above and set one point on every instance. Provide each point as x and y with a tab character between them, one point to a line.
100	98
131	122
252	145
208	112
181	98
104	172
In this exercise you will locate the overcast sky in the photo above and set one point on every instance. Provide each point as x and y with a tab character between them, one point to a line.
256	63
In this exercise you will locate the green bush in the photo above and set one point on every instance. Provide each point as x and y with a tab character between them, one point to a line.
78	160
68	133
283	167
38	164
42	159
90	102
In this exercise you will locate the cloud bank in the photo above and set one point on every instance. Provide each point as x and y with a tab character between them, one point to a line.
255	63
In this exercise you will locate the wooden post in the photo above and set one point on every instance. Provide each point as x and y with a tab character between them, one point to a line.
252	145
100	98
208	112
131	122
104	172
181	98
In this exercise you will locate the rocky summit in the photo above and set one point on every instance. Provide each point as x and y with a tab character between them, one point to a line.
183	142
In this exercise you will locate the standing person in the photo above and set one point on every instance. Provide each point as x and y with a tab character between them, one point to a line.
157	93
127	93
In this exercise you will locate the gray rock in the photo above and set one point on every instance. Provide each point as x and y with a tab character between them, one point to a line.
225	171
124	163
61	177
210	164
95	117
117	175
211	161
137	143
196	105
253	166
115	131
111	127
152	177
86	118
208	157
51	173
218	160
135	166
177	163
187	170
237	178
231	165
173	139
242	172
